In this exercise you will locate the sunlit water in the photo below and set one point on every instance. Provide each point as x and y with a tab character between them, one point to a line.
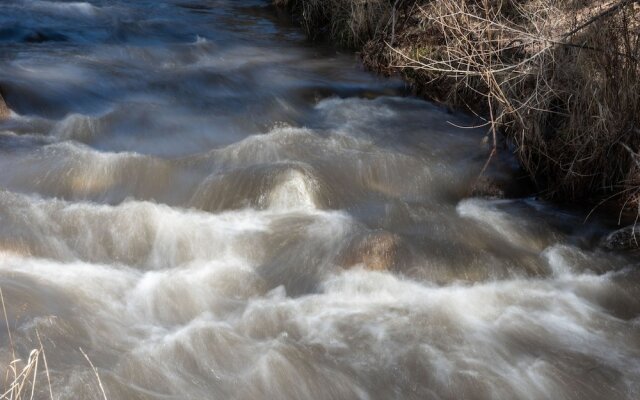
186	186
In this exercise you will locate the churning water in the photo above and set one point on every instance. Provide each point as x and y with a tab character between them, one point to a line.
212	208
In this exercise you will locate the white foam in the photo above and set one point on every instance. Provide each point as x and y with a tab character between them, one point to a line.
501	337
68	8
555	257
152	235
77	127
294	190
353	115
509	226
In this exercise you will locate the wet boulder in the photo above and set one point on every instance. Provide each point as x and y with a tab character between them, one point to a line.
15	246
627	238
486	187
378	251
5	112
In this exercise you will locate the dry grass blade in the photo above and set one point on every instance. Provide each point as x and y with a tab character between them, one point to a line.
46	366
95	371
20	377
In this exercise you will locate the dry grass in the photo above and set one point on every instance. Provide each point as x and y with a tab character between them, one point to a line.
348	22
560	78
21	376
562	81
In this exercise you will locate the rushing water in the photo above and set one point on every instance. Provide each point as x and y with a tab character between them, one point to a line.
213	208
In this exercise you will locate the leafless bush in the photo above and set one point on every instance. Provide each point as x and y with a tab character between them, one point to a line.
561	78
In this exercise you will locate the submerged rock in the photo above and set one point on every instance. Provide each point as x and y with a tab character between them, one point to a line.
627	238
487	188
42	37
377	251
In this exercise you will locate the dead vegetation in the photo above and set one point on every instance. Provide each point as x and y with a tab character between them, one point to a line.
20	376
21	379
559	78
350	23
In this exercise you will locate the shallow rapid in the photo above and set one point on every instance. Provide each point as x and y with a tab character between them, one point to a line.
210	207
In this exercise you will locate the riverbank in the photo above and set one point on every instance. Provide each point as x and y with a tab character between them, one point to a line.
559	81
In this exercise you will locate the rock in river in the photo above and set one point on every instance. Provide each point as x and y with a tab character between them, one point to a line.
5	112
377	251
627	238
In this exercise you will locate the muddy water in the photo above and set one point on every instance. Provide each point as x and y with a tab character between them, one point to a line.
183	185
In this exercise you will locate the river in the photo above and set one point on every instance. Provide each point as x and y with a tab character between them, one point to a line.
211	207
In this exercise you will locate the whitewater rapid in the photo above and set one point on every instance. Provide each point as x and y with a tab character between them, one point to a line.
211	207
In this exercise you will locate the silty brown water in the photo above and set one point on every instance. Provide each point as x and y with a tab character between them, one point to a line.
211	207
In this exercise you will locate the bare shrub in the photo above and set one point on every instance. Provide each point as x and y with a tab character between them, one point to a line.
560	78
